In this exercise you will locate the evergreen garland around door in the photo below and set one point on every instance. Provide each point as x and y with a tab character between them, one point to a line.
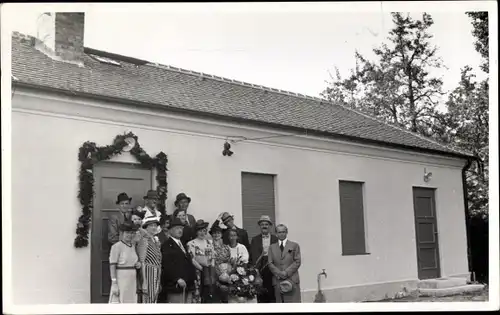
89	154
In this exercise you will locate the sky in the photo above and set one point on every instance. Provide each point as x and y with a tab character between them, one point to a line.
290	46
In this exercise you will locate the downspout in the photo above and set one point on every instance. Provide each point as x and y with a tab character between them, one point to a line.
467	217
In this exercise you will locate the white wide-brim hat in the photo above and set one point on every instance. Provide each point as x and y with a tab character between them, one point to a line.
149	220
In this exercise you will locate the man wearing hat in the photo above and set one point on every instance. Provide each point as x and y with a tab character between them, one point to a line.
123	202
182	202
178	271
228	220
284	262
258	256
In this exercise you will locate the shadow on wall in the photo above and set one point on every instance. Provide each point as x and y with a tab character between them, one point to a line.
479	250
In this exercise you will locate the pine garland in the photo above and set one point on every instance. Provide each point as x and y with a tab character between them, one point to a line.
90	154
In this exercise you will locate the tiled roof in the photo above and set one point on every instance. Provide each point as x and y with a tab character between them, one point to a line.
174	88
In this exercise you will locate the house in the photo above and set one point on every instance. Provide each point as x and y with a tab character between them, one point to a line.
356	194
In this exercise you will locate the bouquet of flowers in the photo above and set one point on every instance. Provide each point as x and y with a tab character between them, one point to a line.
242	280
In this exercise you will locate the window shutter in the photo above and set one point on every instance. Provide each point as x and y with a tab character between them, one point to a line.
352	218
257	199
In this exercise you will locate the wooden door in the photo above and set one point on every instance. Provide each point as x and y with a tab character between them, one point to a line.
110	179
426	233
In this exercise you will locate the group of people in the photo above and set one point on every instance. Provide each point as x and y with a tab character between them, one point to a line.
159	258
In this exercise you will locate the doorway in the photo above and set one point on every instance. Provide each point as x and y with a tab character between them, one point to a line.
424	205
110	179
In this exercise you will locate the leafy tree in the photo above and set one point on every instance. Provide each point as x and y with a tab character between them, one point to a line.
468	120
480	32
397	87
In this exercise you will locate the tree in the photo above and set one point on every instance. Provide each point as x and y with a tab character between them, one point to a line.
468	120
398	86
468	112
480	32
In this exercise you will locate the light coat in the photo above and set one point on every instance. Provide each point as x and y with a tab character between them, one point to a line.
289	261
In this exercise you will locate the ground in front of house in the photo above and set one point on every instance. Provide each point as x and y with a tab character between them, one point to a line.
481	296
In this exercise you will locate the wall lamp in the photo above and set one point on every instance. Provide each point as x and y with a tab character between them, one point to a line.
227	149
427	176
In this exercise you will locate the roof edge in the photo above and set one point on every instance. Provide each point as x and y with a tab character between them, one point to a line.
320	100
243	120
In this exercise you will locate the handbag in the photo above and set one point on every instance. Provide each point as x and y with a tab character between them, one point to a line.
113	298
209	275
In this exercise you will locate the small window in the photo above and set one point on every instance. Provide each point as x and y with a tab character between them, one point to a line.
352	218
106	60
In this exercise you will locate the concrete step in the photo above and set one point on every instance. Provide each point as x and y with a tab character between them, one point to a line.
441	283
470	288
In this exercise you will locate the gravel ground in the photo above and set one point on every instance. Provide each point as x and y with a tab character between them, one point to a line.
467	297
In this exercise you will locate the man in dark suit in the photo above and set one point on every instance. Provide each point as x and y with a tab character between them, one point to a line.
228	221
182	202
123	202
178	272
258	257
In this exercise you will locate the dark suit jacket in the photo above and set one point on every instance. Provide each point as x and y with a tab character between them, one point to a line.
242	236
114	228
256	248
162	237
187	234
190	219
176	265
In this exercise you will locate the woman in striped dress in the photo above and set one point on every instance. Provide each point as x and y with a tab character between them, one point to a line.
150	256
137	218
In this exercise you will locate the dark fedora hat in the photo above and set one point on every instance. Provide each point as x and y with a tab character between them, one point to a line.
151	194
122	197
165	218
200	224
176	222
180	197
128	226
215	228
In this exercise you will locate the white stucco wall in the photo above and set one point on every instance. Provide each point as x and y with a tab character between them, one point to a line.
48	269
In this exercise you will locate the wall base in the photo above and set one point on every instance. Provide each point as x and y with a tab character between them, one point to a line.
463	275
362	293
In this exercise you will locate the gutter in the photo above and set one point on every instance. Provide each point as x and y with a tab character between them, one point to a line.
467	216
242	120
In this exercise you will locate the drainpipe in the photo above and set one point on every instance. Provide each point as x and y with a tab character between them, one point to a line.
467	217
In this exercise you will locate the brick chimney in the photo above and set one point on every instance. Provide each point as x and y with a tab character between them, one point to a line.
60	35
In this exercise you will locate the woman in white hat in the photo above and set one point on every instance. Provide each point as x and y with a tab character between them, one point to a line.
150	256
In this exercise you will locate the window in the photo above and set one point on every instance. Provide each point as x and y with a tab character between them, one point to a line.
106	60
257	192
352	218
